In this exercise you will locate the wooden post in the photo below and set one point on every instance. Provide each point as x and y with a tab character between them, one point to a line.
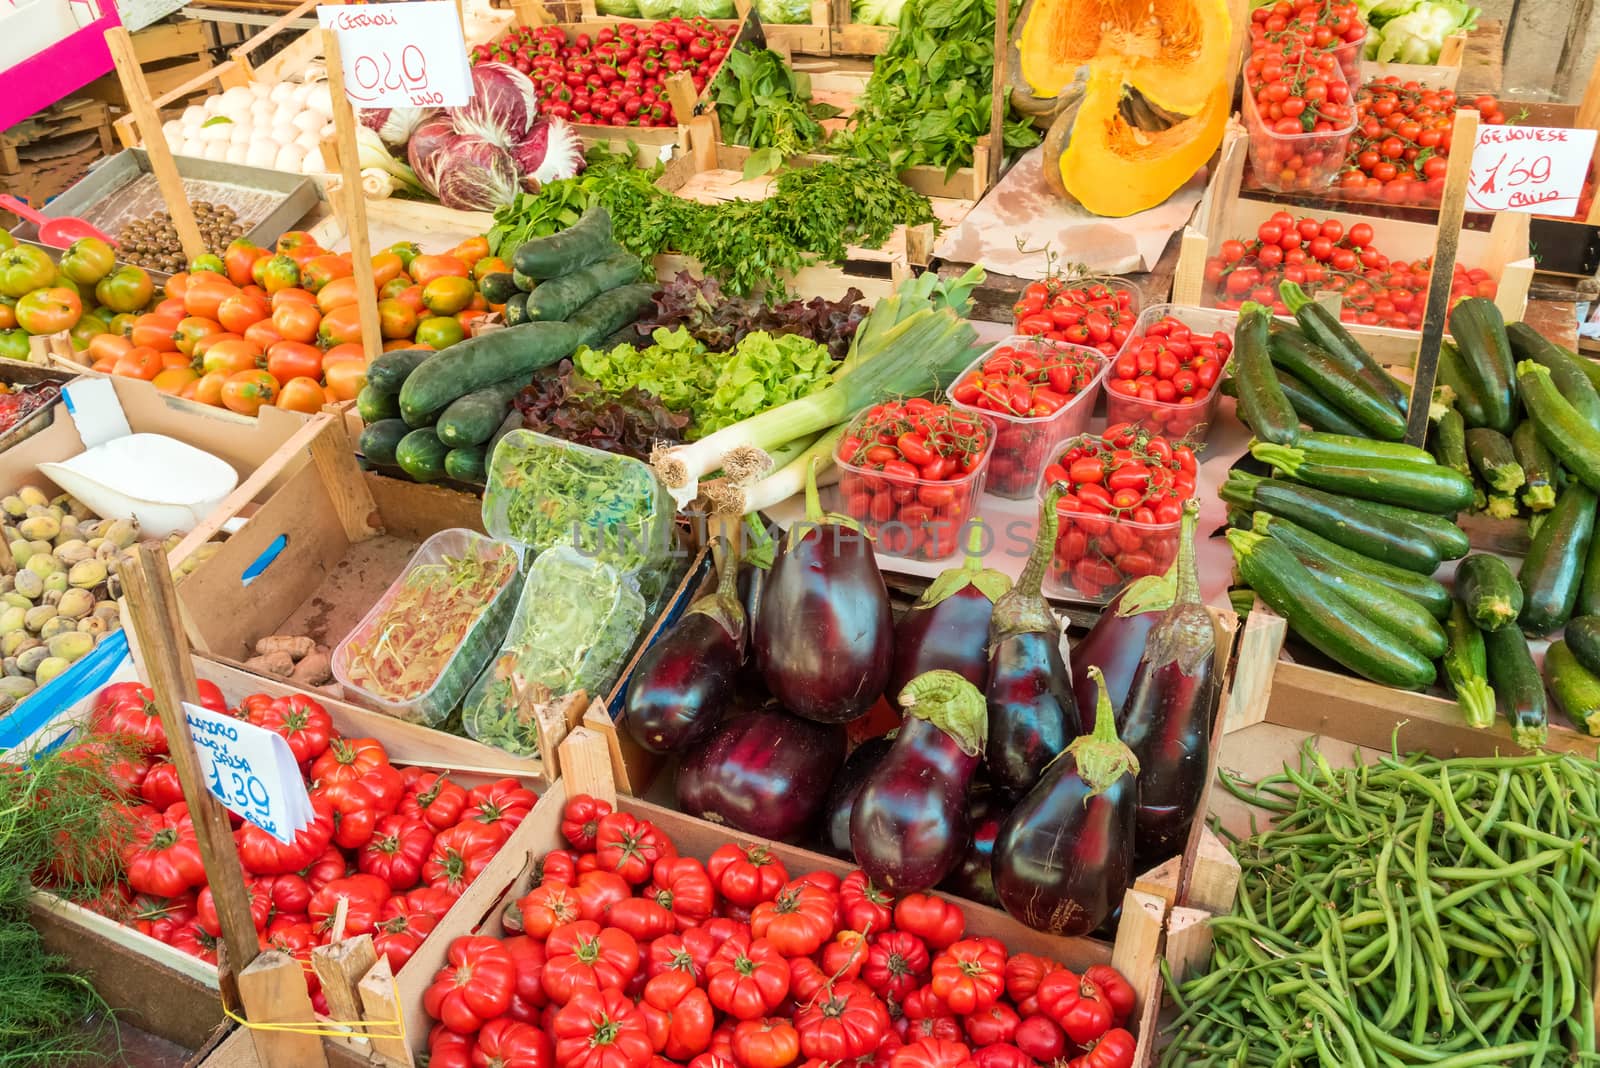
152	607
997	91
273	989
586	766
341	966
353	201
378	1003
1452	206
162	164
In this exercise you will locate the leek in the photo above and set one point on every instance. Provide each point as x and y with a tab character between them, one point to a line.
730	498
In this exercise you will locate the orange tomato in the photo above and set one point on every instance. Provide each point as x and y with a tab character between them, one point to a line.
138	363
206	292
279	272
305	254
175	359
345	378
448	295
323	269
105	366
48	311
489	265
8	313
386	267
336	294
189	391
177	285
426	268
256	291
395	286
264	334
297	321
302	394
170	309
246	392
469	317
411	297
294	359
471	250
342	324
291	296
347	351
396	320
241	311
189	331
208	389
173	380
104	345
203	346
154	331
404	343
239	257
293	239
231	357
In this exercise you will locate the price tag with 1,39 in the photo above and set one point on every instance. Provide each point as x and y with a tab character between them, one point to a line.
1537	169
409	55
252	771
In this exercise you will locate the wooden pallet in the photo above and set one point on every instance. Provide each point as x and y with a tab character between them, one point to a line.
171	54
75	115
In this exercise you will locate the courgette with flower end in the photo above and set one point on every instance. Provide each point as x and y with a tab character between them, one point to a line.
1262	403
1466	669
1566	370
1341	387
1553	569
1323	618
1324	328
1479	332
1428	487
1489	591
1539	471
1492	457
1518	689
1320	554
1575	688
1563	429
1357	525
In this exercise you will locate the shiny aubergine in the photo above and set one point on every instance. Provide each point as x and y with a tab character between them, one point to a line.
764	773
973	876
1115	644
910	827
833	834
824	635
1064	857
687	680
1166	720
1032	713
948	627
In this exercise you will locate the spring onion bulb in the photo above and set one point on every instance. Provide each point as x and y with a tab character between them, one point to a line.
727	496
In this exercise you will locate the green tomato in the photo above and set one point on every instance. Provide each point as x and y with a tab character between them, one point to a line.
24	268
126	289
14	344
88	260
208	262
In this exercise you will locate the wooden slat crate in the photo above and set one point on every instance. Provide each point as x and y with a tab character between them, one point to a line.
171	54
77	115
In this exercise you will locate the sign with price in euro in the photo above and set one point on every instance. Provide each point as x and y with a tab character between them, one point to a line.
401	55
252	771
1538	169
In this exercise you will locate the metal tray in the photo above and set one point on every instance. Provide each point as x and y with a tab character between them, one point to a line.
16	373
123	189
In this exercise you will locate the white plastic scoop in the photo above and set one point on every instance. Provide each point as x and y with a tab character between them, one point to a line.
166	485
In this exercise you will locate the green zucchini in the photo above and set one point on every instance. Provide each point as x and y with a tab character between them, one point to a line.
421	455
1492	457
1427	487
1583	636
1563	429
1466	669
1324	619
389	371
1552	570
1518	690
1479	332
1313	411
498	356
516	312
1319	553
1399	616
1338	385
379	440
1450	442
1357	525
1575	688
1565	369
1262	403
560	297
1539	470
612	311
1451	541
465	464
1362	451
582	243
373	405
1468	400
473	419
497	287
1488	589
1323	328
1589	585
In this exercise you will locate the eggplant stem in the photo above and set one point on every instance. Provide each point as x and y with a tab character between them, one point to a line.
1188	574
973	556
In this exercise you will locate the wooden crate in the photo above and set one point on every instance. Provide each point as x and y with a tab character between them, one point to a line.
1441	75
171	54
76	115
1225	214
801	38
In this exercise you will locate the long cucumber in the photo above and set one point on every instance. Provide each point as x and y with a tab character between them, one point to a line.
1495	461
1479	332
1518	689
1575	688
1465	393
1341	387
1566	370
1402	618
1449	442
1539	470
1323	327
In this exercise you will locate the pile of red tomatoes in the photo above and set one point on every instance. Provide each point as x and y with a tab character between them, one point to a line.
1401	147
1094	314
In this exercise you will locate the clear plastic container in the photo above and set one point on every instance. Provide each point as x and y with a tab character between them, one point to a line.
457	592
1110	281
1349	58
1294	163
1191	418
577	622
1023	444
917	518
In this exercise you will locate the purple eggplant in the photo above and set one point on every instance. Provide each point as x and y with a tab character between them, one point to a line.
824	635
1032	713
687	679
948	627
909	827
1115	644
973	877
1166	720
764	773
834	833
1064	857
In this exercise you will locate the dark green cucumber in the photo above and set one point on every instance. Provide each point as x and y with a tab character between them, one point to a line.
1518	690
1468	400
524	283
1538	468
1338	385
1563	429
1479	332
1583	636
1553	568
421	455
1319	553
1360	450
1396	614
1428	487
465	464
1324	619
1575	688
1565	369
1449	441
389	371
373	405
473	419
582	243
1323	328
1357	525
1488	589
560	297
497	287
1466	669
1495	461
613	310
497	356
1262	403
516	312
379	440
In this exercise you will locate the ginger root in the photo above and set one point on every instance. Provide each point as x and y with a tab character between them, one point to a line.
274	663
315	670
296	646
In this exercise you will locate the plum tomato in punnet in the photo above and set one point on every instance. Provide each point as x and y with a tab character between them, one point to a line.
1076	310
1163	377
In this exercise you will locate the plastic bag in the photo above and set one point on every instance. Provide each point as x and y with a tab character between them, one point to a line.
784	11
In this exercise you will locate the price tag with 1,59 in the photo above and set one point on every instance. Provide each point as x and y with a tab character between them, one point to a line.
1537	169
252	771
409	55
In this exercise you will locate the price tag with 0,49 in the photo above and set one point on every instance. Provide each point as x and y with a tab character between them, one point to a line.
1537	169
401	55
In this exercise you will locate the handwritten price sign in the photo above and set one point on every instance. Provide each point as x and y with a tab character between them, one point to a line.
401	55
252	772
1538	169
